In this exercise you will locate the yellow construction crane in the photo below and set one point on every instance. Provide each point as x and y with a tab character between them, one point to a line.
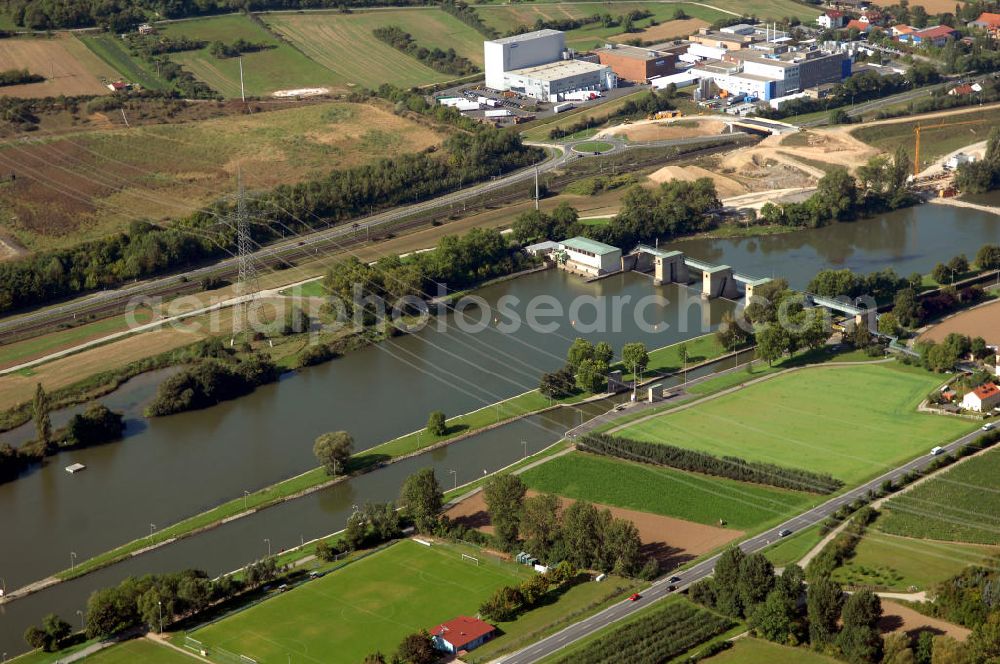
918	129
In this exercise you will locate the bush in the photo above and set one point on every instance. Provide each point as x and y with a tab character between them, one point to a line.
316	354
209	382
96	425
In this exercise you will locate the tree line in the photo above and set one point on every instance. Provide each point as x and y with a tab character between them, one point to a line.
983	175
446	62
625	21
235	49
663	454
19	77
145	250
466	14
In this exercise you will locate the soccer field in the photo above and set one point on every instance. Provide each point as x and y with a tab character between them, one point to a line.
368	605
854	422
139	650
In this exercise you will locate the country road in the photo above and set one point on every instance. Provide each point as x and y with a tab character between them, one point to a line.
661	589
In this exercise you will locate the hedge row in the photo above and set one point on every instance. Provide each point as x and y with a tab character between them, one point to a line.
701	462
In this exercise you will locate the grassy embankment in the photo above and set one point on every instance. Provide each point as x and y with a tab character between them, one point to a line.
758	651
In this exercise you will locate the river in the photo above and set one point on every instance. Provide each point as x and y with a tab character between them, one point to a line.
172	467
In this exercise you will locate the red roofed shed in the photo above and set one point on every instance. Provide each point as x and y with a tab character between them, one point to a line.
462	633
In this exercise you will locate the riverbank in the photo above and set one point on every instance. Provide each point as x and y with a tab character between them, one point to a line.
703	351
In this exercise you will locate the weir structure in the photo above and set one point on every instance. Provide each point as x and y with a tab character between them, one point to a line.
674	267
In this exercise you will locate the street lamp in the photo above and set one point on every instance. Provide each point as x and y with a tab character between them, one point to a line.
80	613
455	474
159	606
152	529
268	540
72	560
246	494
524	444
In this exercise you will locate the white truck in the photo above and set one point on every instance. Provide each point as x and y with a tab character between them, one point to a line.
581	95
497	113
559	108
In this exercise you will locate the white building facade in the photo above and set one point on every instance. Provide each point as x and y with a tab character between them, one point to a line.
590	257
519	52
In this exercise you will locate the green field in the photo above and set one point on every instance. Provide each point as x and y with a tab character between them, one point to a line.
934	142
345	46
962	504
278	68
593	146
368	605
906	564
139	650
665	491
758	651
854	422
112	50
792	549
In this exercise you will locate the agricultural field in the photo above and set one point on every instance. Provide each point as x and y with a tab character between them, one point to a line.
934	142
68	66
791	550
665	491
264	72
138	650
981	321
112	50
906	564
959	505
675	29
86	185
366	606
345	46
864	422
504	18
758	651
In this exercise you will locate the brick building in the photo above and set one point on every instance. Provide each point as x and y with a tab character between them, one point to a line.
636	64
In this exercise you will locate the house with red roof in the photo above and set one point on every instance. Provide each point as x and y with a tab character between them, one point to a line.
936	36
860	26
901	29
461	634
984	398
988	22
961	90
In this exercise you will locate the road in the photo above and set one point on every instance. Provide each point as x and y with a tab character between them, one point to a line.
661	589
299	247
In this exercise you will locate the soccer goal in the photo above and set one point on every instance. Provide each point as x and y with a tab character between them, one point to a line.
471	559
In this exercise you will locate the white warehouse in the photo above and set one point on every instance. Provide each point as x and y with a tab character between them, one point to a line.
537	64
520	51
590	257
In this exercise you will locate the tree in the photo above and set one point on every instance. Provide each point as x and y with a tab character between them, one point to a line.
773	619
984	642
621	548
941	273
860	336
503	604
683	354
836	193
559	384
436	424
333	450
959	264
772	342
823	602
730	333
326	552
859	639
727	582
791	583
988	257
591	376
43	421
756	579
897	650
540	523
375	658
888	325
947	650
603	352
356	531
579	351
417	649
924	650
421	498
635	357
97	424
906	308
582	533
36	637
504	496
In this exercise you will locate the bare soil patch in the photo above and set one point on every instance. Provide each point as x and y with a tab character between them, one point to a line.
69	67
660	130
982	322
726	187
666	30
899	618
932	6
672	541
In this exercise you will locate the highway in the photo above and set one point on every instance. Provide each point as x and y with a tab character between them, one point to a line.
307	245
703	569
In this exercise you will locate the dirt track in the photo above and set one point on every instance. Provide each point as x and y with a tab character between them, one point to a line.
896	618
687	540
982	322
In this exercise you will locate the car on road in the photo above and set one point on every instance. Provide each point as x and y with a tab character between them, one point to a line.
988	426
937	450
785	533
674	579
621	406
634	597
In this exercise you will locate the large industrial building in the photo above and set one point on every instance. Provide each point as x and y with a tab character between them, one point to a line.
636	64
537	64
765	77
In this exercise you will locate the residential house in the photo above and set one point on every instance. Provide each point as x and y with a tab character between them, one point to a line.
855	24
901	29
461	634
988	22
832	20
982	399
961	90
936	36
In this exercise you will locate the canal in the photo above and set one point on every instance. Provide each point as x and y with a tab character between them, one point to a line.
173	467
